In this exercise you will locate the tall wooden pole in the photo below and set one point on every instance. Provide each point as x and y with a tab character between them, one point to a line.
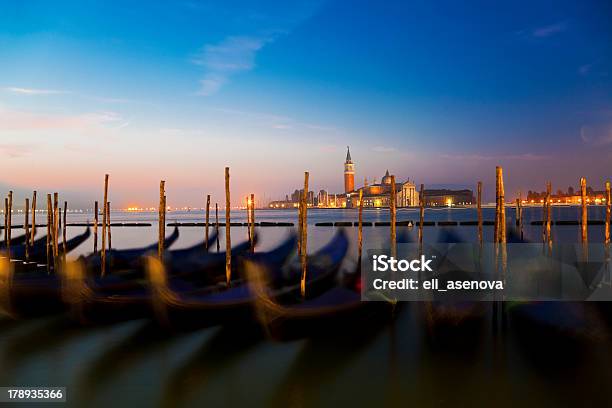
392	211
300	226
64	232
548	211
584	218
56	229
252	226
479	210
108	220
161	223
502	207
421	212
6	222
207	218
228	238
360	223
217	224
104	222
10	218
49	228
26	228
33	233
248	211
497	217
304	234
544	204
96	210
608	206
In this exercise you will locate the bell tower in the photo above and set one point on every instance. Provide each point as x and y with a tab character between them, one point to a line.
349	173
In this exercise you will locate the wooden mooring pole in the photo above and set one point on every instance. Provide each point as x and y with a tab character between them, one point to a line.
252	226
584	217
501	210
548	212
479	209
207	219
110	239
304	237
217	225
33	232
56	220
161	221
49	228
360	224
95	228
392	212
608	206
104	221
26	228
421	212
10	219
228	238
64	233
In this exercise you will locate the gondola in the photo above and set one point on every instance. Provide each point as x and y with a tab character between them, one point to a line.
572	320
179	310
335	310
117	259
449	318
117	298
19	240
37	253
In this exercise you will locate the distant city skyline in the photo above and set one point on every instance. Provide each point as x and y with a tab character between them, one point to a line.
438	92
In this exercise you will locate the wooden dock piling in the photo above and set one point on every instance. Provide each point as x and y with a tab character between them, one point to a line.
207	219
360	224
500	225
104	222
33	231
228	238
548	212
304	237
64	233
95	227
161	221
584	216
108	221
252	226
608	206
49	228
26	228
56	229
392	211
10	219
421	212
479	210
217	225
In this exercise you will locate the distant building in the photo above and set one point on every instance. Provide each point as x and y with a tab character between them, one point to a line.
323	199
349	172
448	198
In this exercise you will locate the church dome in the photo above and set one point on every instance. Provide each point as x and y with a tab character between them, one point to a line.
386	178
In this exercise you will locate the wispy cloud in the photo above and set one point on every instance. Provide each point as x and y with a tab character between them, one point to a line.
13	150
33	91
596	135
549	30
231	56
18	120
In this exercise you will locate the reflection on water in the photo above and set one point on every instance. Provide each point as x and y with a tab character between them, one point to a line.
403	357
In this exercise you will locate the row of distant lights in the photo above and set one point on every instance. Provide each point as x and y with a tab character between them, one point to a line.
597	201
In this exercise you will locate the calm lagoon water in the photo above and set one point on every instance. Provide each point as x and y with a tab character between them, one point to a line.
136	364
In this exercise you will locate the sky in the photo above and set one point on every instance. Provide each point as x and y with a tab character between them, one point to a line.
438	92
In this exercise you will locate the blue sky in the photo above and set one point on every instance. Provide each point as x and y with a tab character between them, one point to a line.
438	92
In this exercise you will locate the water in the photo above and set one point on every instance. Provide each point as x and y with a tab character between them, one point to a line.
135	363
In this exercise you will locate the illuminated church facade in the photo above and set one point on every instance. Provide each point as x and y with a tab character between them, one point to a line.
375	194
